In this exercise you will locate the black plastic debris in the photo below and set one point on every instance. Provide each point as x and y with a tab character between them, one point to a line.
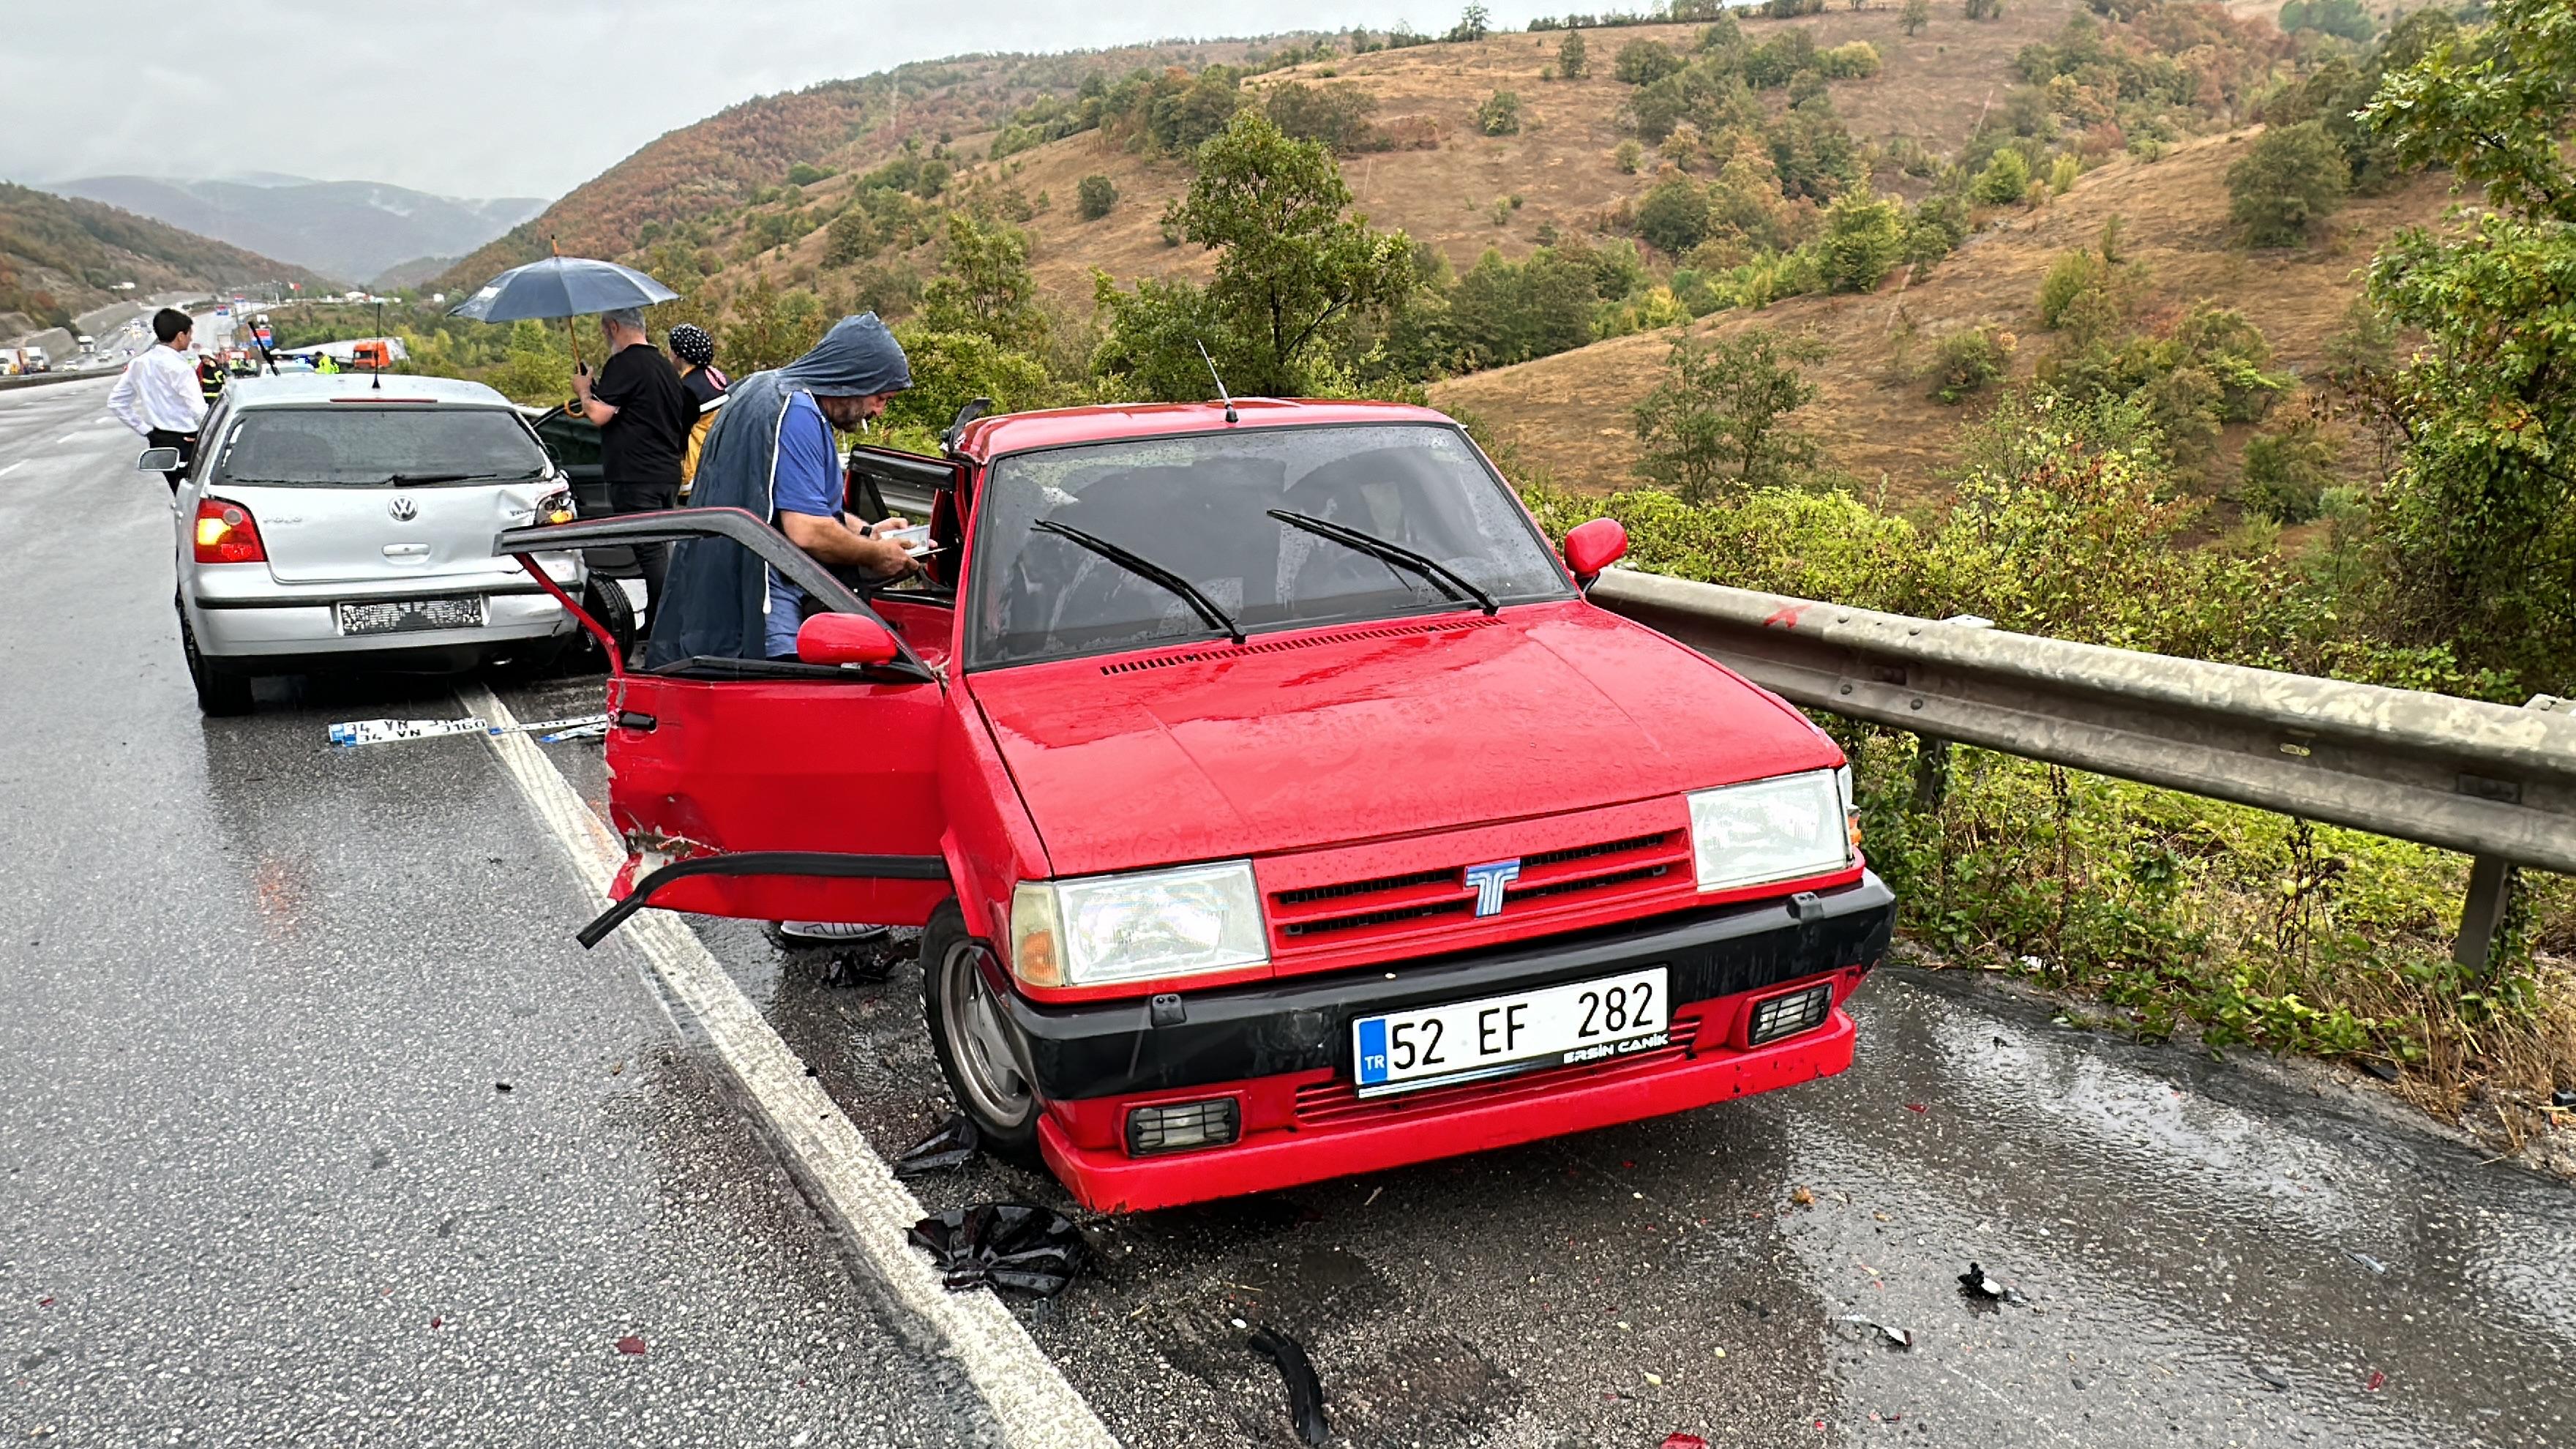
1006	1245
952	1144
2367	1261
1305	1391
1896	1337
1976	1283
2279	1381
2382	1070
2564	1097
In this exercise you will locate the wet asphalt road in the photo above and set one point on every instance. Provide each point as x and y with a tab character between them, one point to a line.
260	994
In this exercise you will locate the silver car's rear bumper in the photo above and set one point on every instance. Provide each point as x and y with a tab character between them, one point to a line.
246	617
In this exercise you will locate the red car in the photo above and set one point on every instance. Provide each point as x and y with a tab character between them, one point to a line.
1275	805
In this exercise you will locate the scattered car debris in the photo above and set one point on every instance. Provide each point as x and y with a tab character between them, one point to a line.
2564	1099
500	1086
1801	1197
2279	1381
1012	1245
1684	1441
1976	1283
2382	1070
1305	1391
630	1344
1920	1107
2367	1261
1901	1338
952	1144
2375	1382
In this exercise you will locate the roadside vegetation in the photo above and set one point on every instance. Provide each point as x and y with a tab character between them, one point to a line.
2131	470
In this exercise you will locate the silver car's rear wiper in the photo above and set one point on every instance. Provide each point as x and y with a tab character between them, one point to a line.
460	477
1147	569
1439	574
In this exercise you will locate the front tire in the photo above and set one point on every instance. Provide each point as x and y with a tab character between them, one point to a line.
972	1041
605	601
220	691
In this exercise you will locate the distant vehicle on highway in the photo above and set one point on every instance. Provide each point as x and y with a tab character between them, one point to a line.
24	361
327	524
1275	804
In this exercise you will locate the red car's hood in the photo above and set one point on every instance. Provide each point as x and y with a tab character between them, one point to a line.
1356	734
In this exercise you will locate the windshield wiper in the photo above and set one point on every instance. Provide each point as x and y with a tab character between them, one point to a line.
1145	568
1442	577
459	477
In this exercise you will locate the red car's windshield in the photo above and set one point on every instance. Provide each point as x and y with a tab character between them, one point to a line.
1202	507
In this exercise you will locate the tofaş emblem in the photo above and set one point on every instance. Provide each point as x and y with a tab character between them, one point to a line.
1489	881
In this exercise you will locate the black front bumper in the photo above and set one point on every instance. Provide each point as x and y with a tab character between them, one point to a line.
1301	1024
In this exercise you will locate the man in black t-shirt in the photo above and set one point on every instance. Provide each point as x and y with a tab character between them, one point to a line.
644	416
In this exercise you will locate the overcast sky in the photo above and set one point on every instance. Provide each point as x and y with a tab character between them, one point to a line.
504	97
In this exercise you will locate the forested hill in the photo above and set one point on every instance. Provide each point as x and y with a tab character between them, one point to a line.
722	161
60	257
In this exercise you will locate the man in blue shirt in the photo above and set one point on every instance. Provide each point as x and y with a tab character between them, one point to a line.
771	453
806	496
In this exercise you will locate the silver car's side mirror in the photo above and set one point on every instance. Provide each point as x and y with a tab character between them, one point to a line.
157	460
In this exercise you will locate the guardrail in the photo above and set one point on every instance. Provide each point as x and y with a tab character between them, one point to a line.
44	379
2494	782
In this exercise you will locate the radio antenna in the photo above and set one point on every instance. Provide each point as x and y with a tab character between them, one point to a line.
379	383
1220	381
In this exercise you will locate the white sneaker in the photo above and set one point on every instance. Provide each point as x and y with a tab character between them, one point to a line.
831	930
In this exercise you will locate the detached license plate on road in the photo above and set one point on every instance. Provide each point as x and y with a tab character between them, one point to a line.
1583	1021
403	616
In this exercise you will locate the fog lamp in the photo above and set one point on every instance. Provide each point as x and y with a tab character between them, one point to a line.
1791	1014
1182	1126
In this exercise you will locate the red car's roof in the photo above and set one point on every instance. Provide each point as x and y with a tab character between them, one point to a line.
1018	432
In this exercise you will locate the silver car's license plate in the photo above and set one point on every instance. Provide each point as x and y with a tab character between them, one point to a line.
1582	1021
404	616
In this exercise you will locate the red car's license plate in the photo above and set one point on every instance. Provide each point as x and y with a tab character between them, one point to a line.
1552	1026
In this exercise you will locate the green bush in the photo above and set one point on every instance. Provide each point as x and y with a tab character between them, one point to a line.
1644	62
2287	472
1500	115
1863	241
806	173
2073	275
1967	363
1674	215
1855	61
1573	60
2283	189
1628	157
1097	194
2005	180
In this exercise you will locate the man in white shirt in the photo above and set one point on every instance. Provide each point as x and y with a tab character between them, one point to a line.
158	395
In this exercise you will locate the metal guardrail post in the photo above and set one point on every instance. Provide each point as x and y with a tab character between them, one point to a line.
2490	891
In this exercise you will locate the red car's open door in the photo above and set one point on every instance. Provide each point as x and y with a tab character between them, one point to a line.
774	791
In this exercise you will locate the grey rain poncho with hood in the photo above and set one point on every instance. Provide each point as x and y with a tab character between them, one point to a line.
715	599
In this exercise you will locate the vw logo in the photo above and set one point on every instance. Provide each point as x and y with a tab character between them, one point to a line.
403	509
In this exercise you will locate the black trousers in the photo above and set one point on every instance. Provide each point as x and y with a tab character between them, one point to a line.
186	443
653	560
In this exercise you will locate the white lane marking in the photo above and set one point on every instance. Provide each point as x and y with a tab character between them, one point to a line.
12	468
1036	1408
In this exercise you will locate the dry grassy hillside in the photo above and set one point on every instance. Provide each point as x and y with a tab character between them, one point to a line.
1569	413
1934	88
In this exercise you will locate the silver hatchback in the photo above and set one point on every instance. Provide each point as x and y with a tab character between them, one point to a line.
346	522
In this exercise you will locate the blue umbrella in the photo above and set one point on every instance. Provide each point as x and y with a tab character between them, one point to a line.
561	287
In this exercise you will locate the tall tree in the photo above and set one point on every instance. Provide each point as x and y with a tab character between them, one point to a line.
1716	421
1292	265
2482	507
985	287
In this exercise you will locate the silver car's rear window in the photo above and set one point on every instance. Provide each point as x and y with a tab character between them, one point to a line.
406	446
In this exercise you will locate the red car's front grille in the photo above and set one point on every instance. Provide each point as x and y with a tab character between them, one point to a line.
1335	1102
1604	869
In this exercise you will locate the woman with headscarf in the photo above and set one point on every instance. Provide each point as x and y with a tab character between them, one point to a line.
695	352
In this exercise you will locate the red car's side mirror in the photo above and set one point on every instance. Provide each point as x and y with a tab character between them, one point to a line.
844	639
1595	546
